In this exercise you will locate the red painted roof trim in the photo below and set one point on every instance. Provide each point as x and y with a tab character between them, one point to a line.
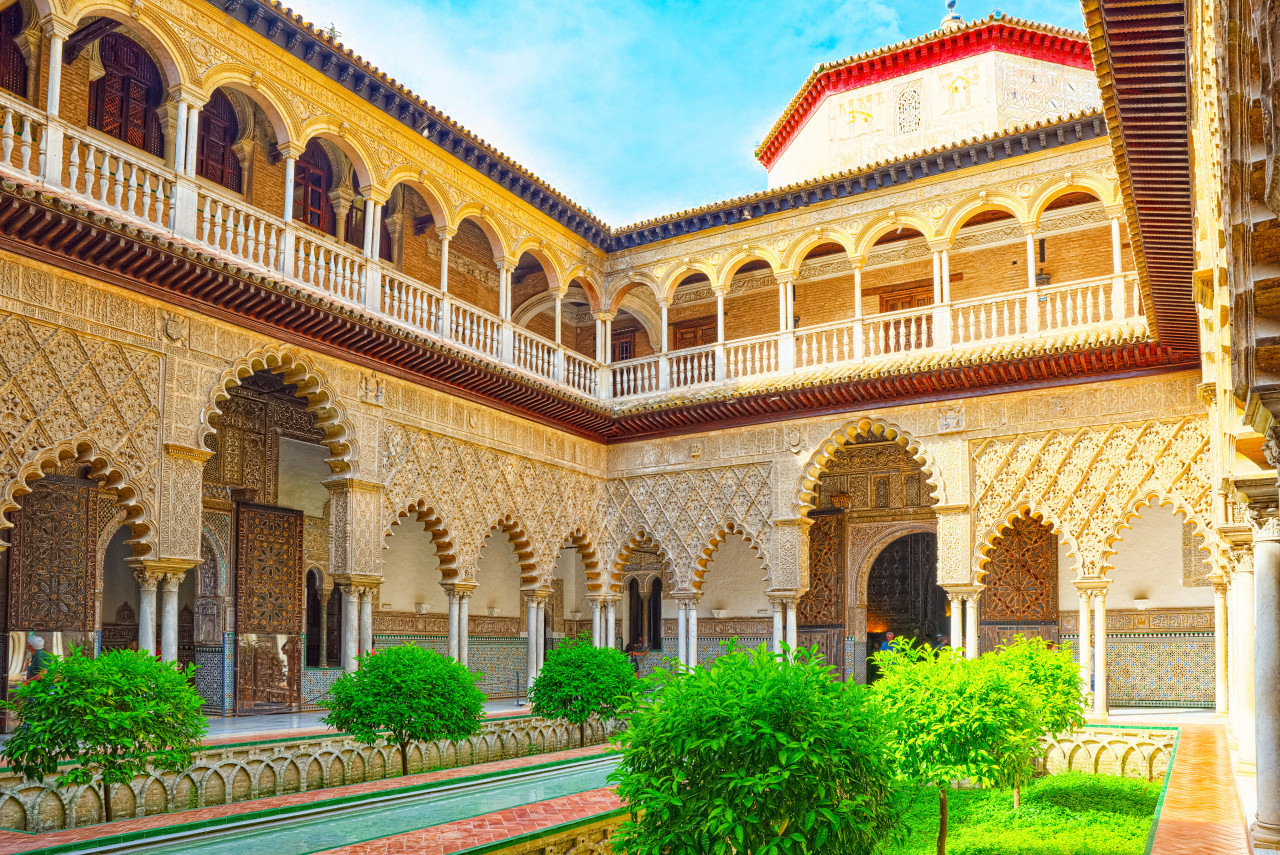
1002	37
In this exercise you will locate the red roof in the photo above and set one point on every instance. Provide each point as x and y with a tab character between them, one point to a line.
1008	35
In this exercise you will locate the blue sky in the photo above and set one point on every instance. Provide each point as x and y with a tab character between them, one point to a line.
633	109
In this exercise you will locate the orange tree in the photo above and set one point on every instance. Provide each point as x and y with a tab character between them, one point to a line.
578	681
758	753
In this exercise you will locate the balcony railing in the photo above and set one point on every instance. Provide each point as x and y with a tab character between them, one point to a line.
97	172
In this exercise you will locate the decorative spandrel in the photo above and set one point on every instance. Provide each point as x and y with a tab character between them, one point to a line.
53	577
269	580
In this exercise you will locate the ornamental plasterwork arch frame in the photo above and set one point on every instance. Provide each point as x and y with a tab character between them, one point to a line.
483	216
313	386
343	136
727	527
1106	191
881	225
543	301
427	187
1023	504
157	34
266	94
526	559
869	552
671	280
584	544
640	538
633	280
754	252
813	238
589	283
806	489
104	468
1153	497
978	203
434	523
551	265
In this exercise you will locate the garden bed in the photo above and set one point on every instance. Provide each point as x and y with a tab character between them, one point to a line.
1072	813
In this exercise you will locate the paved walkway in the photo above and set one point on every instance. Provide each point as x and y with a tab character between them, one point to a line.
1201	814
502	825
12	842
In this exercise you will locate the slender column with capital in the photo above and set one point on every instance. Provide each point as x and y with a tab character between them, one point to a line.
946	275
350	627
1100	704
595	624
1086	641
721	368
180	135
53	95
169	617
971	626
1265	545
1033	298
146	611
531	613
193	133
464	625
1266	689
453	625
368	227
366	620
611	623
443	324
682	630
957	619
937	276
541	633
1219	644
793	638
287	244
692	656
777	627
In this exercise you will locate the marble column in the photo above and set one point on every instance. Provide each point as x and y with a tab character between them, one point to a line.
957	619
595	624
792	637
682	630
169	617
350	627
541	632
453	625
777	627
692	656
464	625
531	614
1086	641
1266	689
366	620
611	623
1219	644
971	626
1100	705
146	611
1264	556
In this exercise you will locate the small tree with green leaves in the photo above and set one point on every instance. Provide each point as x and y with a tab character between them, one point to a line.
113	716
1052	690
757	753
954	718
578	681
405	694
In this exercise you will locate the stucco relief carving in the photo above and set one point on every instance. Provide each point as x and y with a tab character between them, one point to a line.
1088	483
472	489
684	512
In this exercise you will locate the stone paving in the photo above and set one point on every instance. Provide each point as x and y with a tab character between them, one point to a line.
490	828
13	842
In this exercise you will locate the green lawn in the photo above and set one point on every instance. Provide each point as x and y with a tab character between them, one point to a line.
1068	814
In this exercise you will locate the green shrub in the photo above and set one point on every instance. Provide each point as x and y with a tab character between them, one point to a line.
757	754
578	681
409	694
114	715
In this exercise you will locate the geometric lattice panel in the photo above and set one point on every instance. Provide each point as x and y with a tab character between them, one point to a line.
53	572
1022	575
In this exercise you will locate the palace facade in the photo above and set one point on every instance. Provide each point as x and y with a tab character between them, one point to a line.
293	367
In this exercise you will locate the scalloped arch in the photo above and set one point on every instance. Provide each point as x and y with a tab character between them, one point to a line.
104	468
641	537
1021	505
313	386
806	490
530	578
586	548
434	524
1153	498
726	527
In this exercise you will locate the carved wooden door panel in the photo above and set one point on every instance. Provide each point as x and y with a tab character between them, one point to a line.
820	612
269	609
1022	585
53	576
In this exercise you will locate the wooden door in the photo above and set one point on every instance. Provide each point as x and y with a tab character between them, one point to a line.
820	613
694	333
53	573
903	301
269	609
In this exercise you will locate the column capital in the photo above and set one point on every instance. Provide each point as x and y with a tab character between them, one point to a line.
290	149
1029	229
200	455
446	232
604	316
1264	520
56	25
536	597
1219	583
356	581
1092	583
193	97
939	244
375	194
783	597
346	482
785	276
152	572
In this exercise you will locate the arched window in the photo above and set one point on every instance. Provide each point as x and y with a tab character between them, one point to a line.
313	181
219	130
13	65
655	615
123	101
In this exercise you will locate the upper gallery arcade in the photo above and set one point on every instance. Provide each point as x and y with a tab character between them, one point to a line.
211	129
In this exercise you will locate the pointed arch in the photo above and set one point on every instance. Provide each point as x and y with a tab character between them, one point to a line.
103	468
806	489
795	254
879	226
434	525
726	527
313	386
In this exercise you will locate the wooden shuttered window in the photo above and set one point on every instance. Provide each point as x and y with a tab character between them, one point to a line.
123	102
